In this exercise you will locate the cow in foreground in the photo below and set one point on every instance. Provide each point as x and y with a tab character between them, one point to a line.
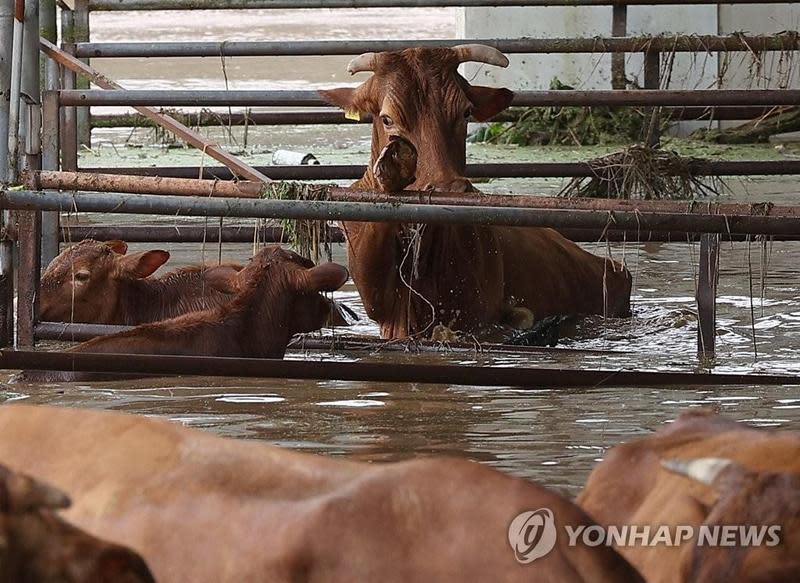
98	282
202	508
278	296
469	278
38	546
705	470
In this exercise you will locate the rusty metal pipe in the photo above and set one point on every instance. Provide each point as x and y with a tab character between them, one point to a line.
516	170
106	202
216	188
523	377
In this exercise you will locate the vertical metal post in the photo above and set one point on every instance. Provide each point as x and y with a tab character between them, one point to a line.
50	73
652	80
29	223
69	131
50	223
619	27
30	83
706	295
14	92
6	245
81	34
6	50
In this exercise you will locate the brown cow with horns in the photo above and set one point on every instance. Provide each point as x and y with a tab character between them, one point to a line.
466	277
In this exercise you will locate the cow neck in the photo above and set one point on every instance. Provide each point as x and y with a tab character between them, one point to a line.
260	319
153	299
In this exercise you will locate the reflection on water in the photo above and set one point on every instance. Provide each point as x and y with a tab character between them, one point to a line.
554	436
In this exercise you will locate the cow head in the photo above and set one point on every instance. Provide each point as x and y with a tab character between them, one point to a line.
83	284
418	95
282	282
36	544
746	498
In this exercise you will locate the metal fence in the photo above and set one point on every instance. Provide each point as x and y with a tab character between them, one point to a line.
65	117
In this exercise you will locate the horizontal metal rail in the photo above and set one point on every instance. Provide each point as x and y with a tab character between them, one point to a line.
787	41
106	202
335	116
123	5
510	170
82	182
671	97
248	234
489	376
79	332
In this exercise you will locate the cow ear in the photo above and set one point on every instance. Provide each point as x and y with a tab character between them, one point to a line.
117	246
487	102
25	494
326	277
143	264
341	96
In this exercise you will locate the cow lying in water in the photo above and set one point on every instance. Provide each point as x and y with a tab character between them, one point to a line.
99	283
464	277
278	296
202	508
704	470
38	546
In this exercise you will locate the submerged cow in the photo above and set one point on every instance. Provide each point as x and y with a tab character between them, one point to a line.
705	470
278	296
38	546
464	277
99	283
202	508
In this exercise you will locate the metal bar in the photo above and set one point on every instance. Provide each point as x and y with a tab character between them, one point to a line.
15	93
77	332
706	295
247	234
31	84
69	128
6	244
516	170
619	28
51	233
147	184
80	31
48	29
124	5
522	377
214	188
640	44
334	116
6	53
191	137
29	223
106	202
278	98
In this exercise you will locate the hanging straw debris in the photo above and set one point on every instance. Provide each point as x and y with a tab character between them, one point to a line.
645	173
309	238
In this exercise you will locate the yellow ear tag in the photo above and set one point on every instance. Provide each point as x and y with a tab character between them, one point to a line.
353	114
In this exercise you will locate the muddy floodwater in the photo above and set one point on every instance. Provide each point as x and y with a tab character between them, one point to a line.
553	436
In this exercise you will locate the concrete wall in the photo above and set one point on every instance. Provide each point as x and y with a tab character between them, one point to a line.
584	71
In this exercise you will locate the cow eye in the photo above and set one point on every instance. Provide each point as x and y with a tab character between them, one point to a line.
82	276
387	121
468	113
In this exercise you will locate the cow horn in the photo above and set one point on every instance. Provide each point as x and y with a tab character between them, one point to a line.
704	470
480	54
363	62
